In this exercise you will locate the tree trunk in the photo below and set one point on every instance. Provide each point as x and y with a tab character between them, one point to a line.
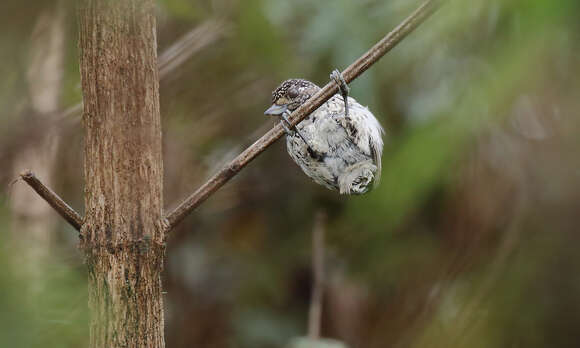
122	236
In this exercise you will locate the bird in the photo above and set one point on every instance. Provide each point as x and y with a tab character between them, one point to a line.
340	145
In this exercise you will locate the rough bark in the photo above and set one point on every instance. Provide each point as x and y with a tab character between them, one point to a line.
122	236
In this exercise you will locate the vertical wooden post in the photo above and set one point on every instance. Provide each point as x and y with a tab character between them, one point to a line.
122	236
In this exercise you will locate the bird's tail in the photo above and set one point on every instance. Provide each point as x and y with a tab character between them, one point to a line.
358	178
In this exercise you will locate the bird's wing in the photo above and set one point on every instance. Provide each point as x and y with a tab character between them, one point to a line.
376	145
362	129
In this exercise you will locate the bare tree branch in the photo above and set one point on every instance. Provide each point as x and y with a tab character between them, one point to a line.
352	72
64	210
315	312
175	55
189	44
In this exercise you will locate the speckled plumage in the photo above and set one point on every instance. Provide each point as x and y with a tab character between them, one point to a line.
343	153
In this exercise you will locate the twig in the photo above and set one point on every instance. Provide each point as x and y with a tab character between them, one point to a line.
175	55
64	210
11	185
189	44
352	72
315	312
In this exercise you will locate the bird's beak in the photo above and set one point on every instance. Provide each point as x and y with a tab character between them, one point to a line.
276	110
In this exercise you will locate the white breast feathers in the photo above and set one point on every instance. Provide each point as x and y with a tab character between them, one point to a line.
343	153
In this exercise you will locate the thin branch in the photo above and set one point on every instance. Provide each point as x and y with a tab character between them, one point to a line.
189	44
315	312
63	209
351	73
175	55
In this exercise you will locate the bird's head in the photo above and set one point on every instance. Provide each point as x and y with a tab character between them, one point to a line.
290	95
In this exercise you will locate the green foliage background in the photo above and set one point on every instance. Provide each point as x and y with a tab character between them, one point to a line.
469	241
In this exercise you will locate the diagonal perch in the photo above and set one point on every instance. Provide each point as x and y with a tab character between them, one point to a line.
57	203
352	72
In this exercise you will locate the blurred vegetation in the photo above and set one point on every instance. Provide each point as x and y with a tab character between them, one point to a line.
469	241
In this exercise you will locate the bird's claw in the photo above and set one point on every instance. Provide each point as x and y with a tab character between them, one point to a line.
337	77
286	123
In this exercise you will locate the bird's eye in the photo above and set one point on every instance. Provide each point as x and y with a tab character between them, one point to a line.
293	93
